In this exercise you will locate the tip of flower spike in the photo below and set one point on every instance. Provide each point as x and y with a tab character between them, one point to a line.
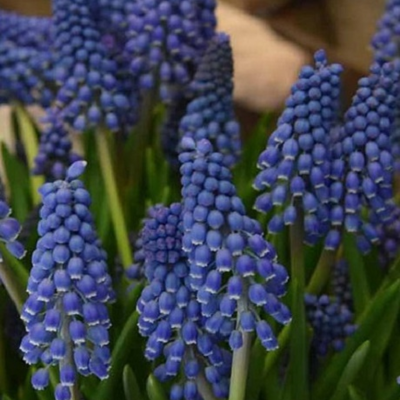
222	37
320	56
76	169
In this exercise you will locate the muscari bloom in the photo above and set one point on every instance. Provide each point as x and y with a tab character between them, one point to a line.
55	149
295	164
170	314
210	113
65	315
362	162
341	285
331	322
166	40
232	267
90	93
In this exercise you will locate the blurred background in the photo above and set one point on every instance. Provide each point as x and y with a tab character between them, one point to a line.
272	39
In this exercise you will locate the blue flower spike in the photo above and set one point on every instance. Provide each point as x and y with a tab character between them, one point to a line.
295	165
65	315
170	314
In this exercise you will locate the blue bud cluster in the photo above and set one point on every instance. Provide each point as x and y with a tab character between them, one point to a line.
295	165
166	40
389	239
65	315
362	165
24	73
90	92
55	149
233	268
331	322
10	229
24	31
170	314
341	285
210	115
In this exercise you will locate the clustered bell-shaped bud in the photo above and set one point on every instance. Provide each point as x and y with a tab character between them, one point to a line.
26	31
55	149
24	74
65	315
90	92
166	40
210	113
331	322
170	314
232	267
295	166
362	162
341	285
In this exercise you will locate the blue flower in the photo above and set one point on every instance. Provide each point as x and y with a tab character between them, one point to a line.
224	245
65	315
331	322
341	285
55	148
210	113
91	93
166	40
296	162
170	313
26	31
362	162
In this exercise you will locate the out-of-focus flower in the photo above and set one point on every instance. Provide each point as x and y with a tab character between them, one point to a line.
170	314
341	285
65	315
331	322
90	92
232	267
362	165
55	148
167	40
295	165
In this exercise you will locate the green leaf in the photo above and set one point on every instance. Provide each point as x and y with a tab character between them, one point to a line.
18	183
255	380
131	387
121	355
131	299
369	325
353	367
21	274
155	391
355	394
359	282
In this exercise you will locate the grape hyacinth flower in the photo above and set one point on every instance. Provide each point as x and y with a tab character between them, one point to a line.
170	313
165	41
232	267
362	162
210	113
331	322
341	285
26	31
55	148
65	315
295	165
90	92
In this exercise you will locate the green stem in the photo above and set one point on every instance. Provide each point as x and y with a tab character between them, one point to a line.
114	201
299	346
240	368
12	286
29	139
204	388
3	360
321	273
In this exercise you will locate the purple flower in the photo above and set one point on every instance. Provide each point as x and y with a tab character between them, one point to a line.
65	315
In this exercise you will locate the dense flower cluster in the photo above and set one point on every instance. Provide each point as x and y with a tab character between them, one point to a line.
331	322
65	314
224	245
362	166
295	166
341	285
90	93
170	314
55	149
166	40
210	113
